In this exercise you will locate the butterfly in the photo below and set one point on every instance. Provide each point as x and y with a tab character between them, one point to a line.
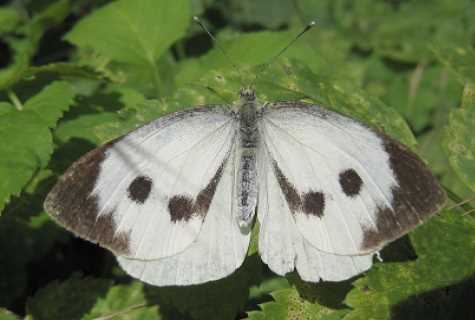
175	200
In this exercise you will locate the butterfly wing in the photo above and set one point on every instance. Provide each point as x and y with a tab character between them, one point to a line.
146	194
281	245
219	249
347	188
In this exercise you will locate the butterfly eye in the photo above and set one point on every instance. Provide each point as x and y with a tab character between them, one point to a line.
350	182
139	189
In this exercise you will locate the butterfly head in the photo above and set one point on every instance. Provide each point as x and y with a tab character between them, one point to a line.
247	94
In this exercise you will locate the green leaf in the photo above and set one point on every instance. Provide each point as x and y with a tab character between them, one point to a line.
288	304
22	50
9	18
405	31
459	59
124	302
24	46
71	299
26	142
65	70
459	140
134	33
7	315
268	13
293	80
444	246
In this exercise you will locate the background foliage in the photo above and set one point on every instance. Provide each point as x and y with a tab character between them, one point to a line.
74	74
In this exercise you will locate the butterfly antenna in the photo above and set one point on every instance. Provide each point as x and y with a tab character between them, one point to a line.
198	20
309	26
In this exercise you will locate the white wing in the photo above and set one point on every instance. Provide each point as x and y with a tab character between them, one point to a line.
145	195
349	189
219	249
281	245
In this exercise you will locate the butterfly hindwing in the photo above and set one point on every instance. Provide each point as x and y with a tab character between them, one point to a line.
219	249
348	188
143	195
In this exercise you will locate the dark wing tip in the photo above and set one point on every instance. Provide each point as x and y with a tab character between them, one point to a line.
418	197
71	204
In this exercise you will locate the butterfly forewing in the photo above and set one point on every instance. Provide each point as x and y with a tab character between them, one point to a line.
219	249
146	195
348	188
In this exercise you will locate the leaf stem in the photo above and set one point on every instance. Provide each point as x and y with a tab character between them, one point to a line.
121	312
14	99
459	201
156	77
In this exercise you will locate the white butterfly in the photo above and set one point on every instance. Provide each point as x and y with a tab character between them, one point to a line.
175	199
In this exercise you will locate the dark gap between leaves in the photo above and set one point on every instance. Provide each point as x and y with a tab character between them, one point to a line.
5	54
52	47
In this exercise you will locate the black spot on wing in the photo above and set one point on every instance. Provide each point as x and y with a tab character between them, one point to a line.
139	189
418	197
71	204
313	203
182	208
350	182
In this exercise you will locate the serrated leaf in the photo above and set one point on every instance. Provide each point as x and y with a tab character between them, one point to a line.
124	302
135	34
71	299
26	141
444	246
459	140
288	304
132	31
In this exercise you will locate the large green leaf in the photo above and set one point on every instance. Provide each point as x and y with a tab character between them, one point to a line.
133	33
459	140
26	141
444	247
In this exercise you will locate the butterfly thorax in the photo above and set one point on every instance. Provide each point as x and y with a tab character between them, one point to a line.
247	109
